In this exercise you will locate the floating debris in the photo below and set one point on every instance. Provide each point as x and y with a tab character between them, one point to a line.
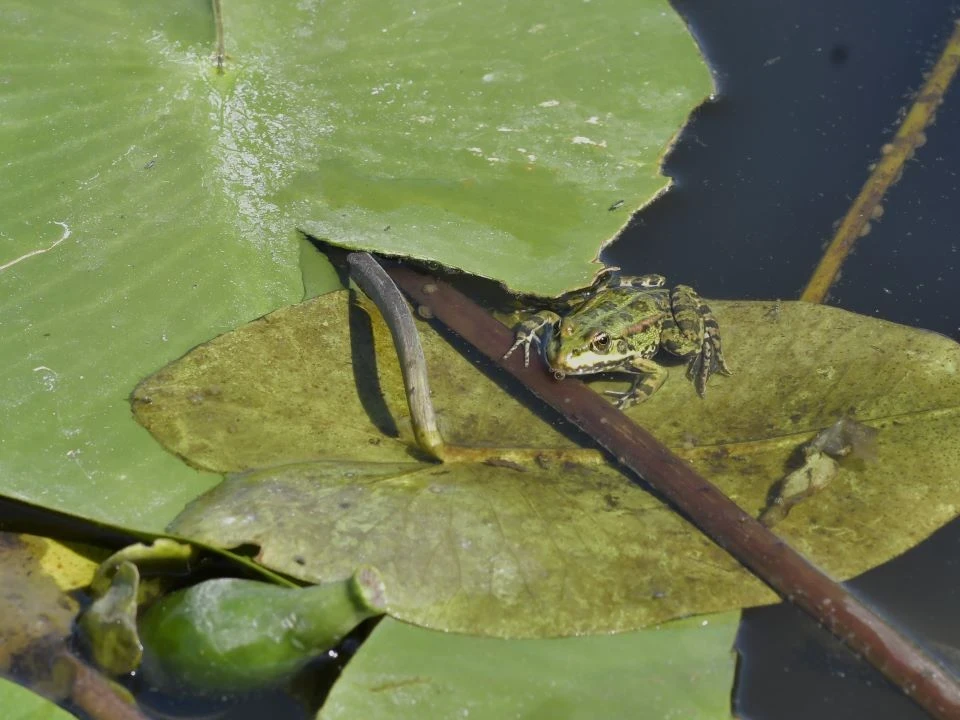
845	438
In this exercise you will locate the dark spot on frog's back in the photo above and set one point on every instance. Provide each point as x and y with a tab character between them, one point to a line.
612	501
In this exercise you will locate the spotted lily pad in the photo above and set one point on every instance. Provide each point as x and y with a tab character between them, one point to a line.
537	536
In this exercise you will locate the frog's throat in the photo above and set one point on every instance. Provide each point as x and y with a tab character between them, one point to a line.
586	363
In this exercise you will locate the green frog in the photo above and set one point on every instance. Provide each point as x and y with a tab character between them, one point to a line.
618	325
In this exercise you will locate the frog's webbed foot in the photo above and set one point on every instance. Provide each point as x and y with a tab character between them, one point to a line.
528	333
625	399
645	382
692	332
709	359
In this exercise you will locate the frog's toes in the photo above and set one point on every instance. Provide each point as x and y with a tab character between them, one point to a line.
526	340
708	361
622	400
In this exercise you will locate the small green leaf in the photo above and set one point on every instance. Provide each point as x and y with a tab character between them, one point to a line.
228	634
684	670
109	625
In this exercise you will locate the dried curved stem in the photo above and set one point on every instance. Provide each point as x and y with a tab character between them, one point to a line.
372	279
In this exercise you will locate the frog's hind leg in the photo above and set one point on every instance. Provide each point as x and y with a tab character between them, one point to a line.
682	331
710	358
693	332
646	380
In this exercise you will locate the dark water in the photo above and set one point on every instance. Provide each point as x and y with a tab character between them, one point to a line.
808	93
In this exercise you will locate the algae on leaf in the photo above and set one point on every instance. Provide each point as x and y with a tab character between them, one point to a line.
538	537
36	611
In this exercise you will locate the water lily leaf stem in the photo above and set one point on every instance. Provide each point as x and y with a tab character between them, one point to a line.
867	206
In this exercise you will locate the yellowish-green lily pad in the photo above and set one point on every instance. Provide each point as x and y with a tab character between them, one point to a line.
535	525
684	669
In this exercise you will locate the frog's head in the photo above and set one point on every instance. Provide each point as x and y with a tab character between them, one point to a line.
576	348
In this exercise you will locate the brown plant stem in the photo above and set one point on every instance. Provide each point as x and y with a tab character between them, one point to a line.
95	694
757	548
886	172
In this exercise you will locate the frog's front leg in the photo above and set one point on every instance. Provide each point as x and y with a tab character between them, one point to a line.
647	379
693	332
527	332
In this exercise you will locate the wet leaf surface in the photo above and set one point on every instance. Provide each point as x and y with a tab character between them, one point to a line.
491	547
515	157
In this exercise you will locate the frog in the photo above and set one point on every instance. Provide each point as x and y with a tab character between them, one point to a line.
618	325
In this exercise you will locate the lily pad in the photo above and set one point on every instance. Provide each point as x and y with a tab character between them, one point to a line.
684	669
521	551
150	203
539	537
130	234
525	143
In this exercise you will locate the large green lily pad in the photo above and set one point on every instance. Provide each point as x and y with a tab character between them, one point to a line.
487	546
683	669
148	203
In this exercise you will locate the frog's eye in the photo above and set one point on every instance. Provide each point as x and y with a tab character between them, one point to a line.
600	342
